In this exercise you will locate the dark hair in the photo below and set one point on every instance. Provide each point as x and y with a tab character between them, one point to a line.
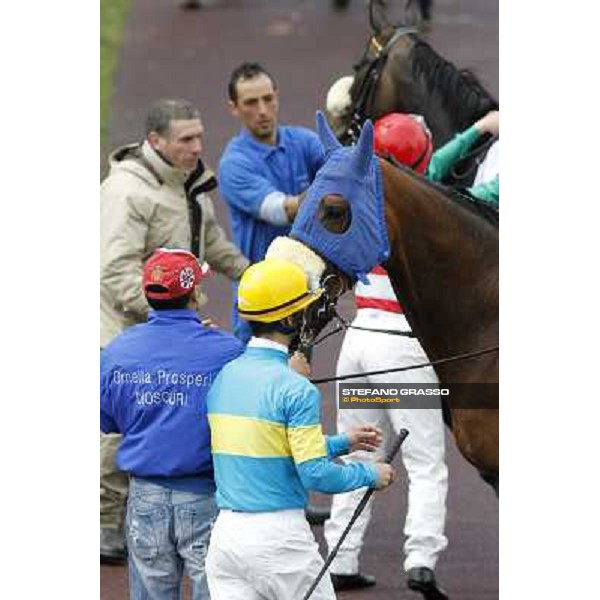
243	72
164	111
281	326
170	304
260	329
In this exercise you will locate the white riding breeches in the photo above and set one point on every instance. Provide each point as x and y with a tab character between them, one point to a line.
422	451
264	556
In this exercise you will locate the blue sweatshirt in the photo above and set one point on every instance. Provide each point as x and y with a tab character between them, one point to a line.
267	442
154	379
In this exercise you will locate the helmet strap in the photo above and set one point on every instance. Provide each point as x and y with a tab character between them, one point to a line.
422	156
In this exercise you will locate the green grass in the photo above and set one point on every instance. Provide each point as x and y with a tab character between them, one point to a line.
112	18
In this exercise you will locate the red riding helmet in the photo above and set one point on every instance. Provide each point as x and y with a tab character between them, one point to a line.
405	138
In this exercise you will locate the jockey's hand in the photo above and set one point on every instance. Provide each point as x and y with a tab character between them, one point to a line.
299	363
490	123
365	437
385	475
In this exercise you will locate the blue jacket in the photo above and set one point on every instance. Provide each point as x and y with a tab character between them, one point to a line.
267	441
154	379
250	171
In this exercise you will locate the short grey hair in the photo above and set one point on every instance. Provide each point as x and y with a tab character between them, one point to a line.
164	111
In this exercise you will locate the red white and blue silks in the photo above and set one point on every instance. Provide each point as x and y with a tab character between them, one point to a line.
353	173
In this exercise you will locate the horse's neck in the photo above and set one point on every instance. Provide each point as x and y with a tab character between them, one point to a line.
440	115
439	120
401	92
443	264
445	113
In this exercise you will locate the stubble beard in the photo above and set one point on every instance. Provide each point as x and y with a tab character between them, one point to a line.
265	133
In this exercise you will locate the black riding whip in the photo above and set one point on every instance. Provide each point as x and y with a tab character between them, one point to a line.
389	457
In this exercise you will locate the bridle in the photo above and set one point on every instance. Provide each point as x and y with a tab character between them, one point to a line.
322	311
368	85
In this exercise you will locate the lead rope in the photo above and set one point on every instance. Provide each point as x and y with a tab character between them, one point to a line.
361	505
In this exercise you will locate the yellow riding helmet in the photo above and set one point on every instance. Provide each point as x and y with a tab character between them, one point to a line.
273	289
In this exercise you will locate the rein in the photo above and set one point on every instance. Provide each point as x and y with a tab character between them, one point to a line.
432	363
345	325
308	345
368	85
467	166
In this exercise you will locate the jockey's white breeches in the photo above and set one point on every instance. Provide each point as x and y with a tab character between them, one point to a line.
422	451
264	556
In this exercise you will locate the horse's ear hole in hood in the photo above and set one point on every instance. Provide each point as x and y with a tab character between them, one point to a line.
334	213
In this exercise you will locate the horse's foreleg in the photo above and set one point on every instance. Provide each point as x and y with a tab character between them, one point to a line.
476	434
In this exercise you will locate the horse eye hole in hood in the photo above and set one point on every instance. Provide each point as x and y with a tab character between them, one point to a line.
335	213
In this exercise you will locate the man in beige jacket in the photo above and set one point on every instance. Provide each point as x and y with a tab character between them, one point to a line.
154	196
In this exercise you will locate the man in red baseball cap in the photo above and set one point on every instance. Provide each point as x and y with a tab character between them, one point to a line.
154	378
171	276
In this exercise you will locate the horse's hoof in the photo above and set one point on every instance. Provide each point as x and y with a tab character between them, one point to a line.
422	579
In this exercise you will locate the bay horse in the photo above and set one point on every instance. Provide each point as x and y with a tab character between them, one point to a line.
400	72
442	259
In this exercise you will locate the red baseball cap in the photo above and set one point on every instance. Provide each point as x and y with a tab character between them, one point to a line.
170	274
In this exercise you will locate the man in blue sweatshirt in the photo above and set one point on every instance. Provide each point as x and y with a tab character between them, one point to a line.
269	450
154	378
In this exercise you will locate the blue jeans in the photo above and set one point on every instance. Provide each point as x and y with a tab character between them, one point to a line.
168	532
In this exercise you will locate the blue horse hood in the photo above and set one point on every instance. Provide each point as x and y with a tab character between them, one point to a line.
353	173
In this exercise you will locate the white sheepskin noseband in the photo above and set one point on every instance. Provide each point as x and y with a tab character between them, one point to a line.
288	249
338	96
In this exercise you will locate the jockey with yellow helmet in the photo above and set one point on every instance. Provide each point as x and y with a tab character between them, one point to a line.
269	450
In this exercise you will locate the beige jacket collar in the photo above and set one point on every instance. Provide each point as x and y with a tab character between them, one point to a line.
169	175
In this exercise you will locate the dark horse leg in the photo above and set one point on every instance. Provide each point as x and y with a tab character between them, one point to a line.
425	6
492	479
340	4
